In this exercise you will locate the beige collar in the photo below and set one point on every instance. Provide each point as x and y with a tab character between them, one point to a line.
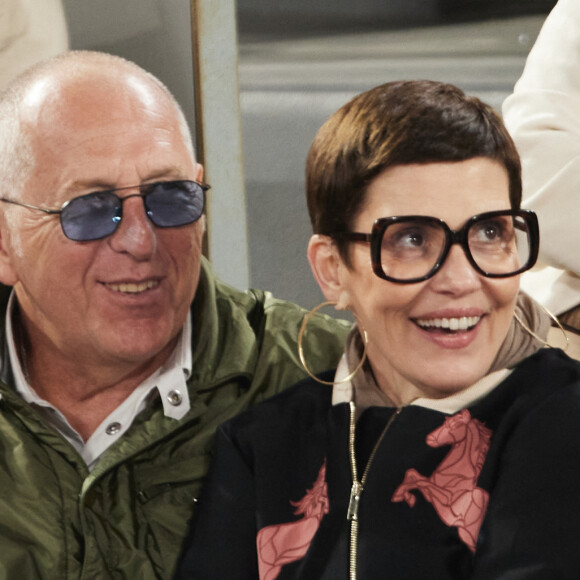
343	392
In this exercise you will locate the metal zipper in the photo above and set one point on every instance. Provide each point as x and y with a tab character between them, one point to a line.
358	486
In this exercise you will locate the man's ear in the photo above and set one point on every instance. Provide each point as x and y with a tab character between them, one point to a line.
7	273
198	172
328	269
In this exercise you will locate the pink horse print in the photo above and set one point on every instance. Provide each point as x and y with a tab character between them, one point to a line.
284	543
452	488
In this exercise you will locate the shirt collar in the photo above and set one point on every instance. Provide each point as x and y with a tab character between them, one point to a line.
343	392
169	381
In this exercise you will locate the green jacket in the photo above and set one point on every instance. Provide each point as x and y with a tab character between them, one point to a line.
127	518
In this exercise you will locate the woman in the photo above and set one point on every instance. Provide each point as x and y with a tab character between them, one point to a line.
452	449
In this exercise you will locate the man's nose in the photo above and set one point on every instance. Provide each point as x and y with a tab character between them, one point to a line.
136	234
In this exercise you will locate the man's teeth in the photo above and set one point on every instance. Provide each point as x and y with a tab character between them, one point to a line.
132	288
463	323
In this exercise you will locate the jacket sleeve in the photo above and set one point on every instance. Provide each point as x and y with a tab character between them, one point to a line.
532	526
543	117
222	538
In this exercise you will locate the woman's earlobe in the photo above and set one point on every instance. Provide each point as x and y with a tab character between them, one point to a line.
343	302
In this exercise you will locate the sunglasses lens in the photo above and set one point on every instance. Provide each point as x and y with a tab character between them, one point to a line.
168	204
91	217
175	203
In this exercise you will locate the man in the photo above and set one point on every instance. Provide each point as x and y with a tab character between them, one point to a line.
120	351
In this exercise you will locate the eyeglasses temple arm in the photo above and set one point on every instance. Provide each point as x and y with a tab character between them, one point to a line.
355	236
45	210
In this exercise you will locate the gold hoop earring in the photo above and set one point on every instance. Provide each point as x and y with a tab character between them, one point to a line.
301	332
539	338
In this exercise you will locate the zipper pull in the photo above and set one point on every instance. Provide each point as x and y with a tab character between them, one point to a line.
355	493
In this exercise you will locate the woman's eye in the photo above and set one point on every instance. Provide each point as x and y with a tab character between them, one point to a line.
408	238
488	232
415	240
491	232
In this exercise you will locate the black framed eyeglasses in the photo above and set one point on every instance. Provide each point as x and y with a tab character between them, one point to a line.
168	204
409	249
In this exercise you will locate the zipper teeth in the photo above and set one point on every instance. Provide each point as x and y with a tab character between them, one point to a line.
358	486
353	548
353	469
378	443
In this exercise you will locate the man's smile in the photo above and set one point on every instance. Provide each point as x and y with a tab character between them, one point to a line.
132	287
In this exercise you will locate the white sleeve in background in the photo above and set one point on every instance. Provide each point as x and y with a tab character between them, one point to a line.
543	117
30	31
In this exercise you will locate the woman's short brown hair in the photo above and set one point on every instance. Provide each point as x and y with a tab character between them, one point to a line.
398	123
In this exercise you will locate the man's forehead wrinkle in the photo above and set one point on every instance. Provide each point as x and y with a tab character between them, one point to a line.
165	119
99	183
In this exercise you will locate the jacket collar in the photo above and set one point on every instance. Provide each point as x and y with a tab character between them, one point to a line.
223	341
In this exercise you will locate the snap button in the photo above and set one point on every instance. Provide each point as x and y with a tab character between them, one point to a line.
113	428
174	397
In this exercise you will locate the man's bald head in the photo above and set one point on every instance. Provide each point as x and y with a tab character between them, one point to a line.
64	88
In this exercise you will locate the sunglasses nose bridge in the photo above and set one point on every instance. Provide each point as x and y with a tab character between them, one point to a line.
121	203
142	195
122	200
134	233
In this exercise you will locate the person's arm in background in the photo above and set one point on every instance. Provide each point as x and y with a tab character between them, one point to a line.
30	31
543	117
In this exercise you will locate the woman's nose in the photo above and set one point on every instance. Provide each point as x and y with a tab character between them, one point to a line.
456	275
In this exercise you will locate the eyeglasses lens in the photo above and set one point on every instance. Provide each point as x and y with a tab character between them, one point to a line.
97	215
411	249
500	244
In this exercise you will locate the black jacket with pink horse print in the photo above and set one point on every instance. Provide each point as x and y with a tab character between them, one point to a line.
490	492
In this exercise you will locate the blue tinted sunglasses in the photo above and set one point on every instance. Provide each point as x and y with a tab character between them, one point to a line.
168	204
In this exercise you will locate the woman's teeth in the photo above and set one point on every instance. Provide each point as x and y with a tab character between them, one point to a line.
462	323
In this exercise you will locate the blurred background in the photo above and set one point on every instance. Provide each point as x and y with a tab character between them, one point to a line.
298	62
298	68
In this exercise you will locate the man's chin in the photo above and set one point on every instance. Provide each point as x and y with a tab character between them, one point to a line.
138	345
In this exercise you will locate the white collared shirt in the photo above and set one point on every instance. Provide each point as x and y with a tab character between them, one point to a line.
169	381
